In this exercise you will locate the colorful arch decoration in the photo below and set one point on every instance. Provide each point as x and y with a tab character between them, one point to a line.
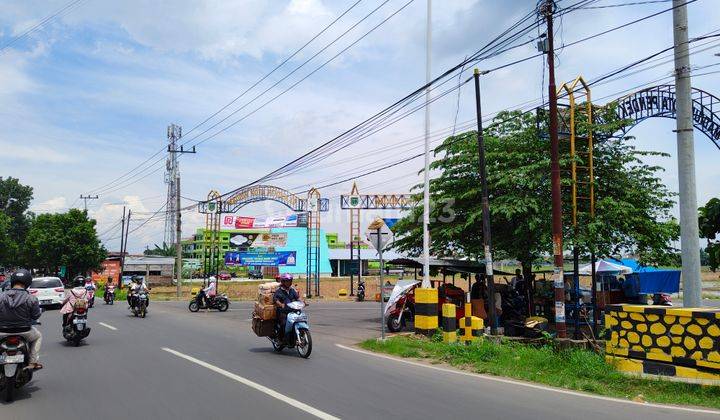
254	194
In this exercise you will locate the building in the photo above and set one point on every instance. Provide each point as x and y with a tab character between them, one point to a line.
342	265
154	269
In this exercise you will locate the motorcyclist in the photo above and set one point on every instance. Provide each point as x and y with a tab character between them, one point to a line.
136	286
209	292
79	291
18	310
284	295
109	287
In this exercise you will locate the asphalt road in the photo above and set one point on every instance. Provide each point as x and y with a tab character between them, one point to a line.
178	365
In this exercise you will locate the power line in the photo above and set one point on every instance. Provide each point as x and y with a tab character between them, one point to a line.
60	12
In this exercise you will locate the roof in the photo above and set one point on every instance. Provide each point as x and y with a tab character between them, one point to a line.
449	264
343	254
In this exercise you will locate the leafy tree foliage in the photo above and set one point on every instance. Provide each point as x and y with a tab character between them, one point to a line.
709	223
14	218
632	205
64	239
164	251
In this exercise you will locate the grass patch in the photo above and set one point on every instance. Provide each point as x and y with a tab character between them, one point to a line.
579	370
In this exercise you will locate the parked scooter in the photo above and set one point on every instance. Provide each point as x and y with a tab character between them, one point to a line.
398	314
220	302
361	291
76	328
139	303
662	299
14	358
109	294
297	331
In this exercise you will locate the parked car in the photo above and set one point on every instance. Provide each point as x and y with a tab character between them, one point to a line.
224	276
48	290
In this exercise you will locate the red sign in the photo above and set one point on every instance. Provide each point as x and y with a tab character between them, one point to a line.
244	222
110	270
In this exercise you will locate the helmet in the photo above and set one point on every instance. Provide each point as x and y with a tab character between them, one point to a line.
21	276
285	277
137	279
212	279
78	281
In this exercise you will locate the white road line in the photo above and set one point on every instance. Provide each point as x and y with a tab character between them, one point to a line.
529	385
107	326
295	403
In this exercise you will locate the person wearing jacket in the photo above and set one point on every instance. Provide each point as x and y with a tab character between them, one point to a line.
18	311
77	292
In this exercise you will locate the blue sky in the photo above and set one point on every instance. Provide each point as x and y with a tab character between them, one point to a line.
90	95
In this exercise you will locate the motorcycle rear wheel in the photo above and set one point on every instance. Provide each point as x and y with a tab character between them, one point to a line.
304	350
9	389
223	306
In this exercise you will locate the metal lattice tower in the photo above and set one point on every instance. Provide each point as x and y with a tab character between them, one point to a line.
172	171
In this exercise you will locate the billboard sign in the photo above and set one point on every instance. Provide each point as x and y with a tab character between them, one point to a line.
242	222
265	259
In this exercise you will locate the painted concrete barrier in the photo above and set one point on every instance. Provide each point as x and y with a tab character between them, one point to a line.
472	326
449	323
426	311
661	340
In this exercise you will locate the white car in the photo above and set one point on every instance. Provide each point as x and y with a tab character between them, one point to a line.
48	290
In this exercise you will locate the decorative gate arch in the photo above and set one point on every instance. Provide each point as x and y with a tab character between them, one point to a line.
659	102
312	206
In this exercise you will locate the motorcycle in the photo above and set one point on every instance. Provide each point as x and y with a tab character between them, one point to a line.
361	291
76	329
221	303
297	331
14	358
110	294
139	304
91	295
398	314
662	299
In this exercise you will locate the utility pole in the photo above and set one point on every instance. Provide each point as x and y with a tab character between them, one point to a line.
689	232
124	249
426	172
487	238
85	198
173	215
122	244
548	9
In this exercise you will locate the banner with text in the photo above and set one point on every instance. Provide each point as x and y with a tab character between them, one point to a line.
265	259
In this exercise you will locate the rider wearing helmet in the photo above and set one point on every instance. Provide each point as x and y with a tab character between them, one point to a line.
210	291
77	292
18	311
135	287
283	295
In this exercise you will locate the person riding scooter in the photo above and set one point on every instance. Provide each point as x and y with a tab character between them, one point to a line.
136	286
79	291
18	311
284	295
208	293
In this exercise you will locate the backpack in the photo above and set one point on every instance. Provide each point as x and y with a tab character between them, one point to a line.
80	302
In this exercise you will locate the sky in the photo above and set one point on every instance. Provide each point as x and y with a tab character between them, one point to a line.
89	95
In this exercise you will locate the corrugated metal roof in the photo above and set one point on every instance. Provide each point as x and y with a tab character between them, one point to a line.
149	259
343	254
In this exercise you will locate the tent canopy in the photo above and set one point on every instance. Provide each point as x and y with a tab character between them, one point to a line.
606	267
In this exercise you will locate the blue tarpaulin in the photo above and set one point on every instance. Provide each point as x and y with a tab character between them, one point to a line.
656	281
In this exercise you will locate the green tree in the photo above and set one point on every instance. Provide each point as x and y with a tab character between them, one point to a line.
14	202
709	223
164	251
632	205
64	239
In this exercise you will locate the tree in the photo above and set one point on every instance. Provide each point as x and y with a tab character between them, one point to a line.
14	202
64	239
632	205
709	223
164	251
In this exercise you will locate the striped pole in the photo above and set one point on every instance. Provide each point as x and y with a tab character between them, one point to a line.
449	323
426	311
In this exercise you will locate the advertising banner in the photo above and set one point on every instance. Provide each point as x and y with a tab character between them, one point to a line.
241	222
265	259
270	240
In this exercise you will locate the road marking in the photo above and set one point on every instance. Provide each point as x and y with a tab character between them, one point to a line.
295	403
527	384
107	326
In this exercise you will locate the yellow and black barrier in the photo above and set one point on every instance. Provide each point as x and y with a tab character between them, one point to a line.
426	311
682	342
449	323
471	326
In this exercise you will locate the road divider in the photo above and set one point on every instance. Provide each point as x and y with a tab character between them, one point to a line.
247	382
110	327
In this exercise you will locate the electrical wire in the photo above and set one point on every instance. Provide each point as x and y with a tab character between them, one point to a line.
69	7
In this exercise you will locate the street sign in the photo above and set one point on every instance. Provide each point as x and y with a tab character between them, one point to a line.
378	234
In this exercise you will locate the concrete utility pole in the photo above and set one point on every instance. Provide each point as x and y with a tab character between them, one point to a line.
689	233
85	198
487	238
426	189
122	245
548	9
173	214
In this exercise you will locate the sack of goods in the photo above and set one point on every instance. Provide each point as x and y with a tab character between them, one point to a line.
263	323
